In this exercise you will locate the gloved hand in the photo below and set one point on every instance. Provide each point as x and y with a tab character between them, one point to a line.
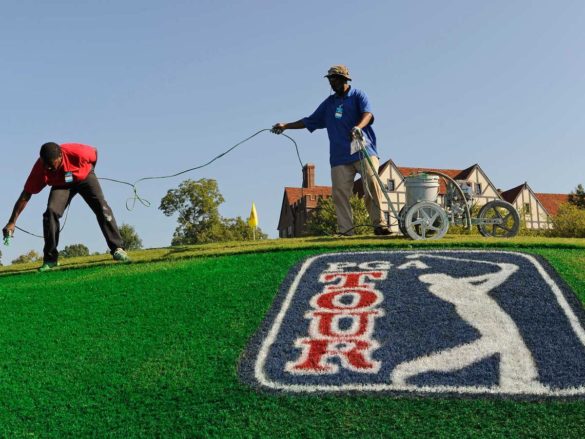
356	133
7	233
277	128
8	230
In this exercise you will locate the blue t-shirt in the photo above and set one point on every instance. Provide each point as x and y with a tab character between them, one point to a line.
339	114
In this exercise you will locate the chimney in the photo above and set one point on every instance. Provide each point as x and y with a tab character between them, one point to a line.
308	175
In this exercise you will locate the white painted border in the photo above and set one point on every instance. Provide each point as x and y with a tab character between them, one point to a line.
299	388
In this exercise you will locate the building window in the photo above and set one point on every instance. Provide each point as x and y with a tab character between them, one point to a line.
527	208
477	188
390	185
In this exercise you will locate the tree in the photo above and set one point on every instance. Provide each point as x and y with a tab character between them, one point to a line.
197	203
74	250
577	197
31	256
236	229
323	220
131	239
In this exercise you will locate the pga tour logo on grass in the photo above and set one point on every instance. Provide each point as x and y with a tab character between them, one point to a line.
422	323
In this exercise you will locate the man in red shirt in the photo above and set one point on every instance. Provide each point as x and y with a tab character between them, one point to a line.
69	170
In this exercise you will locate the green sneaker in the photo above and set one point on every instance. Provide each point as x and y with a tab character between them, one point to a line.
47	266
121	255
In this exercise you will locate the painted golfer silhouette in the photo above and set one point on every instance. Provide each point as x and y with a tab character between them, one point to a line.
499	333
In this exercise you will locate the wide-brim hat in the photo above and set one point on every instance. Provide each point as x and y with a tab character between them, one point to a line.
338	70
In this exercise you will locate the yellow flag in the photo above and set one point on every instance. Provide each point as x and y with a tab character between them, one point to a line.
253	220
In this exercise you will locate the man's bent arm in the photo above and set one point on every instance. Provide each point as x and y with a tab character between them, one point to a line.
365	120
280	127
18	208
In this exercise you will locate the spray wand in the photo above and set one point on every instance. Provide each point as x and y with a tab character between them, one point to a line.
7	237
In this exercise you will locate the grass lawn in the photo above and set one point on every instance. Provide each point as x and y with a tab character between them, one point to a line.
151	349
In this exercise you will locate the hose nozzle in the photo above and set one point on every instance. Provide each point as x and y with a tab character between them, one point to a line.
7	236
357	133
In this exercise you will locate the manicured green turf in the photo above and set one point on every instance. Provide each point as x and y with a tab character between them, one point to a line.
151	349
314	243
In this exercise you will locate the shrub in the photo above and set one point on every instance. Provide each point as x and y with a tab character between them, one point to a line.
131	239
569	222
31	256
323	220
74	250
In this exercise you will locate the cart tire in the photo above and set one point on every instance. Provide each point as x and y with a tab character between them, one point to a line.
401	221
499	209
426	220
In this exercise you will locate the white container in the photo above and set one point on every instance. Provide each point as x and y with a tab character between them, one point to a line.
421	187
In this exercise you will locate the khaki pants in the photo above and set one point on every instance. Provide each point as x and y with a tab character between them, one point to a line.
342	177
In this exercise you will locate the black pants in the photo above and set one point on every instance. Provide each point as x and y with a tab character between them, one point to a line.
59	199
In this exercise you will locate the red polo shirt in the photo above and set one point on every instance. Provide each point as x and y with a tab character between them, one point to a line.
78	159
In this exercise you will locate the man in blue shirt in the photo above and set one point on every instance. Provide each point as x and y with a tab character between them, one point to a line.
346	114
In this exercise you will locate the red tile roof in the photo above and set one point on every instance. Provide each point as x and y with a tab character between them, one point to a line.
551	202
294	194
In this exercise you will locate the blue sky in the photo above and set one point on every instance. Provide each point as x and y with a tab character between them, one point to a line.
161	86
